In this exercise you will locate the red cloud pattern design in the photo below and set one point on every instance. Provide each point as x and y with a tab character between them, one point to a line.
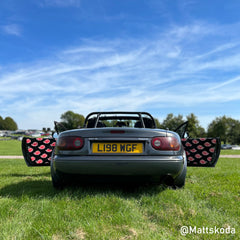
38	151
201	152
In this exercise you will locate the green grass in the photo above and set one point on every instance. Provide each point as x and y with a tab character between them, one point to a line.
230	152
31	209
10	147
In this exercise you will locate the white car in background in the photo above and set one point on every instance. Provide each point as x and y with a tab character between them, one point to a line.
235	147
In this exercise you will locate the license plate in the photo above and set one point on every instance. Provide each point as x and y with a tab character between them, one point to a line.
117	148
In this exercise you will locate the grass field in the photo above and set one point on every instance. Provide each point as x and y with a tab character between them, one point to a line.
230	152
10	147
31	209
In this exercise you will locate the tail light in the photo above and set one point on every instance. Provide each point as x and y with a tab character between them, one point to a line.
166	143
70	143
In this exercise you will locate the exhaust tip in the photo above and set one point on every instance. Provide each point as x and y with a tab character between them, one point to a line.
168	180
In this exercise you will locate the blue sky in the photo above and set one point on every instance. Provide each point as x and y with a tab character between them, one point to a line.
163	57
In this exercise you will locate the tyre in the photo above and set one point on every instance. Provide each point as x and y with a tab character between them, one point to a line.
57	179
179	182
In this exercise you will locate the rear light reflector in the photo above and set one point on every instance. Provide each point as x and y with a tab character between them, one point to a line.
70	143
166	143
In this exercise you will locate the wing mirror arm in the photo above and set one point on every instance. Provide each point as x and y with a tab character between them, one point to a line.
182	129
57	124
56	127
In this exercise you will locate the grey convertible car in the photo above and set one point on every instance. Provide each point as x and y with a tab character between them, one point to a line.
121	144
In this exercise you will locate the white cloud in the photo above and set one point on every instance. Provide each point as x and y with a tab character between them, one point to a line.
12	29
60	3
160	74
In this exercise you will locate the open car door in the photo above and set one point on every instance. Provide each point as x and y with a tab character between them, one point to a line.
38	151
200	152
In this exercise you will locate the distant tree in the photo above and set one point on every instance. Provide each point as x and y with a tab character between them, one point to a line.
8	124
226	128
234	131
45	130
72	120
218	127
171	122
1	123
194	129
158	124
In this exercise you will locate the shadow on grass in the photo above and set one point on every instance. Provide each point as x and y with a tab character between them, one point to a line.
43	189
25	175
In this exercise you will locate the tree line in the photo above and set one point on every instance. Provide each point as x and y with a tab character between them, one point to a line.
8	124
228	129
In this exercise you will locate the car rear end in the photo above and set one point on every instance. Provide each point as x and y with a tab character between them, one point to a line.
119	152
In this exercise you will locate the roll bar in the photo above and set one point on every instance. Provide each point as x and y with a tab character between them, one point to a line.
139	117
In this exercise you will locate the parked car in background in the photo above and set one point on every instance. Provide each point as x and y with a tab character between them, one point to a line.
226	146
235	147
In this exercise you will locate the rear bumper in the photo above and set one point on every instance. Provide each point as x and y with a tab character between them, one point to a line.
119	165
